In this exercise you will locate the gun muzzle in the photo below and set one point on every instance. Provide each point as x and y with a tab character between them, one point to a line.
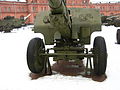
57	6
54	4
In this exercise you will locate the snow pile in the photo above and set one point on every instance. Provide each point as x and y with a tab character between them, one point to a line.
14	73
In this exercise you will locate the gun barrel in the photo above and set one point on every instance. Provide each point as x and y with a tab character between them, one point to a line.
60	18
55	3
57	6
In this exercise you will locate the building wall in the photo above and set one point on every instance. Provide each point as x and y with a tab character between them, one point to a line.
22	9
108	8
16	9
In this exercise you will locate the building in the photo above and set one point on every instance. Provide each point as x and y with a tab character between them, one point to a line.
108	8
32	7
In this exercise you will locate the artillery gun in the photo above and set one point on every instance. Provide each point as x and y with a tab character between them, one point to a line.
115	21
9	23
111	20
69	30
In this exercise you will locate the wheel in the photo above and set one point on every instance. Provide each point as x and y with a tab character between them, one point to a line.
34	61
118	36
100	56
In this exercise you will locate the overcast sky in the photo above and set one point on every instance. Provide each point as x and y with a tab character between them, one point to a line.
90	0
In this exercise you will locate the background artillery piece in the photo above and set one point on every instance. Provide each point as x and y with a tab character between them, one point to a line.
113	20
9	22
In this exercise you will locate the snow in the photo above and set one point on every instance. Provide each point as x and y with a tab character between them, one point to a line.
14	73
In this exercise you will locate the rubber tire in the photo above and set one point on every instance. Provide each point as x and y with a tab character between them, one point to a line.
118	36
100	56
34	62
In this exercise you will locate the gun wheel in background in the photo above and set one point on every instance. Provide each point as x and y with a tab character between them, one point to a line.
118	36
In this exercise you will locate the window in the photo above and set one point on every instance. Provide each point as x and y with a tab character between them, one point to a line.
5	9
113	8
19	9
103	8
9	9
42	1
41	8
23	9
34	9
45	8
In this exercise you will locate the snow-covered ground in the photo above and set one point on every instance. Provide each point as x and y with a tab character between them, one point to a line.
14	73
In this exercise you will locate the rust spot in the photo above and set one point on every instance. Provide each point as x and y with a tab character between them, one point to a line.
68	68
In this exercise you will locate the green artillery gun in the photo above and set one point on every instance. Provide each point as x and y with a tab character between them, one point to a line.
9	23
69	30
111	20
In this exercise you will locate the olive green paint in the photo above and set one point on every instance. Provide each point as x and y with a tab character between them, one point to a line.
85	21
